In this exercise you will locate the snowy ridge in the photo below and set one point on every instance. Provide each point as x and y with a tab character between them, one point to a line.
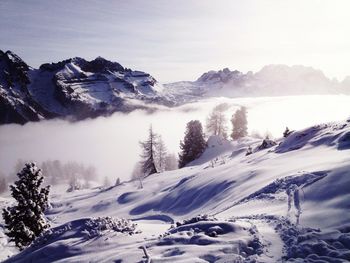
73	88
262	207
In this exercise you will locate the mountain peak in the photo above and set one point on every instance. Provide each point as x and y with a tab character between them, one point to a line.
102	65
13	61
222	75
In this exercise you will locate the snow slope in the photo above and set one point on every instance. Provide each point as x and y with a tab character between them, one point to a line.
286	203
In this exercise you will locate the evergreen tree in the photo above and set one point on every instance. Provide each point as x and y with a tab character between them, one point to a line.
149	154
216	121
25	220
193	144
239	124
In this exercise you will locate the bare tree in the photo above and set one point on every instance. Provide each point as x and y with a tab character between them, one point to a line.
217	122
137	174
160	154
3	183
171	162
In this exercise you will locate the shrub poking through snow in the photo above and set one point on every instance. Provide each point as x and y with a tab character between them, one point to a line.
84	229
196	219
249	151
25	220
286	132
99	226
266	143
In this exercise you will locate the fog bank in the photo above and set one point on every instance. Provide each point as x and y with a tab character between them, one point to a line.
111	144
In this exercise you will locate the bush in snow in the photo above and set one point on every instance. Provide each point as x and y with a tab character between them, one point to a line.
239	124
25	220
85	228
74	184
196	219
98	226
286	132
193	144
249	151
266	143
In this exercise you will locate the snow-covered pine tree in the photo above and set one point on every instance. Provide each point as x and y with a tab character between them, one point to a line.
25	220
149	154
193	144
216	121
239	124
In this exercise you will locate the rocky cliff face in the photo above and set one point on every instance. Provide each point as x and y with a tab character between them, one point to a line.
74	88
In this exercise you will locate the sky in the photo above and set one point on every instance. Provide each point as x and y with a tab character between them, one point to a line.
180	40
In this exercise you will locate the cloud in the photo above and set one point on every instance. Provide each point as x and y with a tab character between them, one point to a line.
112	143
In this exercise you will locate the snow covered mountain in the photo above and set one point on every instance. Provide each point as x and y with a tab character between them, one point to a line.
271	80
73	88
77	89
285	203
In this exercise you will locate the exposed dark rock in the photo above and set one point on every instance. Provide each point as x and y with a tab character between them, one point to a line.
73	88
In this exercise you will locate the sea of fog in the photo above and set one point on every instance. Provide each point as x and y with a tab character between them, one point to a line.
111	144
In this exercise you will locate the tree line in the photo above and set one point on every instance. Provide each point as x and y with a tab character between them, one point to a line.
154	158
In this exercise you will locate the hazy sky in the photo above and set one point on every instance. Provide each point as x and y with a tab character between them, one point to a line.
179	40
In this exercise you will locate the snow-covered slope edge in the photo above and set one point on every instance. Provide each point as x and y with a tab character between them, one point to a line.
285	203
73	88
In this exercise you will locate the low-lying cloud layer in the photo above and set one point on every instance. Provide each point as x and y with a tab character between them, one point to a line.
112	144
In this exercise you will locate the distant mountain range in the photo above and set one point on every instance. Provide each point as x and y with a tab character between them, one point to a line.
271	80
77	89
